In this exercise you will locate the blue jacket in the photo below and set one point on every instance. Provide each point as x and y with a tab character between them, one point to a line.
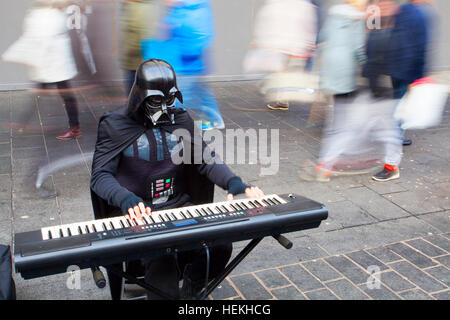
192	28
408	44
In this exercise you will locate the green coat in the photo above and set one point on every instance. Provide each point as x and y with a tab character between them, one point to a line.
138	22
342	49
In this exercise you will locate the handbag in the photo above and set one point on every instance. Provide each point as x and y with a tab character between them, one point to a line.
423	105
293	84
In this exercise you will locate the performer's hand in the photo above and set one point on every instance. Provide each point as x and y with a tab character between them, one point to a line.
250	192
137	211
133	207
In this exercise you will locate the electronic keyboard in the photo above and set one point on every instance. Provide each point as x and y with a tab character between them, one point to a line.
101	242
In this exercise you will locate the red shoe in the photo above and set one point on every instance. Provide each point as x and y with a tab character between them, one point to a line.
72	133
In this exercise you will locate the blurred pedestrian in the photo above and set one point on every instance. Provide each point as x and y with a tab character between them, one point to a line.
284	40
342	52
189	25
378	45
409	47
138	21
45	47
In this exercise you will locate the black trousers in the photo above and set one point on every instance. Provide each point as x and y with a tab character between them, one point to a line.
165	272
70	101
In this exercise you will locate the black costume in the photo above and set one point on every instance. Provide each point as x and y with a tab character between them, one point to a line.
132	163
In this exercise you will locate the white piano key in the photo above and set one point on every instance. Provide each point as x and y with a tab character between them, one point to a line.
156	217
74	229
116	223
45	233
147	218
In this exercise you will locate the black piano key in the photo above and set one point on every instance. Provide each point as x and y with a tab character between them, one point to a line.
189	213
87	229
220	210
61	234
94	228
112	225
259	204
146	221
206	213
271	202
122	224
104	226
210	211
240	206
225	210
251	205
153	220
50	235
80	230
174	216
68	232
244	206
199	213
166	217
234	207
183	214
277	201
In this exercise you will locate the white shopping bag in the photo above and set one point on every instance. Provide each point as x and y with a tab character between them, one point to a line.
422	106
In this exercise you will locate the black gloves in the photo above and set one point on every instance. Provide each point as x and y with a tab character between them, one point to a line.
130	202
236	186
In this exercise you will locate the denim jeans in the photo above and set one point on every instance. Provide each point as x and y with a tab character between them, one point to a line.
199	98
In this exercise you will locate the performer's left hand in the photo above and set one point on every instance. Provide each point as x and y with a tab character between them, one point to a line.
250	192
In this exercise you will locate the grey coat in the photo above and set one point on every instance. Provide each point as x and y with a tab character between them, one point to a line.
342	40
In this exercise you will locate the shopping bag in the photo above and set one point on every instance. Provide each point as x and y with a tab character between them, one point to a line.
423	105
292	85
262	60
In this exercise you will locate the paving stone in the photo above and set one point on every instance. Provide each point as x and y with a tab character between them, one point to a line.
415	294
411	255
301	278
384	254
419	201
445	260
439	241
379	293
321	294
288	293
426	248
272	278
345	290
250	288
224	291
370	236
442	295
370	201
439	220
321	270
417	276
348	269
347	214
365	260
440	273
396	282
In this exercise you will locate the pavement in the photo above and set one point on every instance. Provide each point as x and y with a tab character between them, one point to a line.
381	241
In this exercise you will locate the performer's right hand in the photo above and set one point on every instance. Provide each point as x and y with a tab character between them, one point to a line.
133	207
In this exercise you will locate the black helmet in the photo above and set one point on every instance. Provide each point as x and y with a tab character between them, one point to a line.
154	91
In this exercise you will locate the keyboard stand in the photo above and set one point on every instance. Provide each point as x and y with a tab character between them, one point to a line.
215	282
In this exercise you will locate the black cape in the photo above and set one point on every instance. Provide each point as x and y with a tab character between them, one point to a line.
117	130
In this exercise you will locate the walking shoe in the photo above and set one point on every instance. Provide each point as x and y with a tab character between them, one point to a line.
407	142
72	133
318	174
388	173
278	106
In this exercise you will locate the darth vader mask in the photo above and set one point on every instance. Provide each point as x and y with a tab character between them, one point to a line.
154	92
